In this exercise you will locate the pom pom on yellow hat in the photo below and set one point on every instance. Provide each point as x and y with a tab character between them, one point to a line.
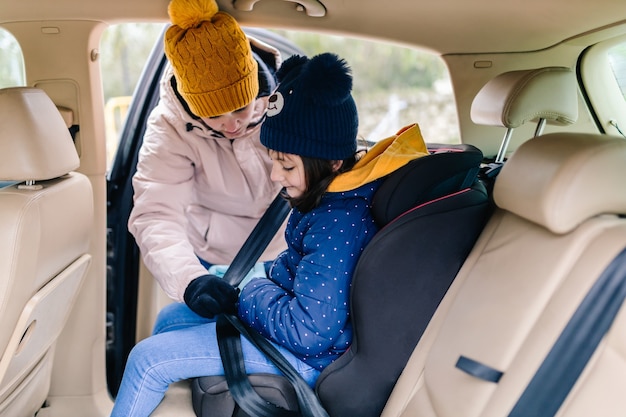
215	70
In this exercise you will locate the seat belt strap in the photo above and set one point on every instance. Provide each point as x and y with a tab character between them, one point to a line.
238	383
478	370
229	327
570	353
257	241
308	402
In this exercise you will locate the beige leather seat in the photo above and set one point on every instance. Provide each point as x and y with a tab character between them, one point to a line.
46	213
558	224
511	99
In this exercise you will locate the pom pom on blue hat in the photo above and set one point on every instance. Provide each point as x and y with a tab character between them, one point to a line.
312	113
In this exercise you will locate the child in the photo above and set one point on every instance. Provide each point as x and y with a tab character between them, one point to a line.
302	306
203	177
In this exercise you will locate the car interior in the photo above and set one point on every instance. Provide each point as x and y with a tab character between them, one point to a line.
494	287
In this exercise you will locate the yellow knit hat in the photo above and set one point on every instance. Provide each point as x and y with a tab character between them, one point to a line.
211	56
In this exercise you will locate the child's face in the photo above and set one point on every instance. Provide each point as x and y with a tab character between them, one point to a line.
288	170
234	124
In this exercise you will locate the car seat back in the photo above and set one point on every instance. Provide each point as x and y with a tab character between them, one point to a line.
559	222
46	212
433	209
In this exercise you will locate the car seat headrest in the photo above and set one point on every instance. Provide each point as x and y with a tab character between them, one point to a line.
35	143
559	180
446	170
516	97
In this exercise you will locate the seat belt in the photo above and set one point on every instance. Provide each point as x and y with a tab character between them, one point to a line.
308	402
229	327
569	355
242	391
257	241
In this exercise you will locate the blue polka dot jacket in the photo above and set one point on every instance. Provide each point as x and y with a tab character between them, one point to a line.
303	303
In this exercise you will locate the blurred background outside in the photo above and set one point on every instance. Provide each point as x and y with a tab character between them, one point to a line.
393	85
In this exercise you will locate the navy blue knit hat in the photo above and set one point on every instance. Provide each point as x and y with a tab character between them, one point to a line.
312	113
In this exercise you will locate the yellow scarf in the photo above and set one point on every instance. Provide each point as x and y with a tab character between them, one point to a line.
383	158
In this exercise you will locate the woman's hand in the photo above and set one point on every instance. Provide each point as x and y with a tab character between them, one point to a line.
210	295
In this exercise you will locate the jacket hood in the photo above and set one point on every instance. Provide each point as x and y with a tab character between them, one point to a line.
383	158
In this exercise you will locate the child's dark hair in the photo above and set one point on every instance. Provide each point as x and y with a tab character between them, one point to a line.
318	174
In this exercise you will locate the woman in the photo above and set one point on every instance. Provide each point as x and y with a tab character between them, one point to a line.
302	305
203	177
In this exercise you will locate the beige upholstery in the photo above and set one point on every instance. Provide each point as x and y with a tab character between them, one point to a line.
514	98
547	95
45	222
556	228
556	192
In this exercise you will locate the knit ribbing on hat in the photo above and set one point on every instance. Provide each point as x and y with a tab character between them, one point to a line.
225	100
211	58
312	113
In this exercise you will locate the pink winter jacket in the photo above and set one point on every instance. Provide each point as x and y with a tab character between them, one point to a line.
197	194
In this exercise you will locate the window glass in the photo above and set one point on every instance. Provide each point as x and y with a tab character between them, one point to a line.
11	69
124	50
11	61
617	59
602	74
393	85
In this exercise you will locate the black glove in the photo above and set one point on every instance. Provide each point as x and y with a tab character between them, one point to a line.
210	295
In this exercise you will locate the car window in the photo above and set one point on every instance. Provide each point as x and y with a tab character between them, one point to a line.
11	69
393	85
124	49
617	59
11	61
603	75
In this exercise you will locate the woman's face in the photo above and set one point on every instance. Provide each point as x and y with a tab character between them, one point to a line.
234	124
288	170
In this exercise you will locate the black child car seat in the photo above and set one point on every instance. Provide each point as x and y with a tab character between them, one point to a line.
430	212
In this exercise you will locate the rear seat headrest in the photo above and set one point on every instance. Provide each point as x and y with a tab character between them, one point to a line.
448	169
514	98
35	143
559	180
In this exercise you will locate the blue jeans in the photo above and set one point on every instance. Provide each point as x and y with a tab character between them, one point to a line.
183	346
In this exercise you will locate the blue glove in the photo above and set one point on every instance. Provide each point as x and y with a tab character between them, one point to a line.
210	295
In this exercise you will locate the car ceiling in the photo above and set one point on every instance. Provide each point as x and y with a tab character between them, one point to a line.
442	26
